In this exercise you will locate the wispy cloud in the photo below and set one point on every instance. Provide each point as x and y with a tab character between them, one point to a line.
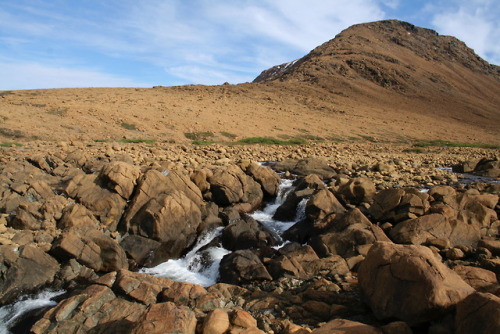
34	75
476	22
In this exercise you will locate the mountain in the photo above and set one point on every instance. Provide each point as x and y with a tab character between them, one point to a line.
386	80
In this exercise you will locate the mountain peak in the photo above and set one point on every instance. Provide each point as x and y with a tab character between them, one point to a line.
390	53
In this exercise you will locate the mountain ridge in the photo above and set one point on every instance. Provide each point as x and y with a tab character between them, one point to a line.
387	80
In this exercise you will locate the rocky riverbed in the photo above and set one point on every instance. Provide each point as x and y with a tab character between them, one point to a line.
390	240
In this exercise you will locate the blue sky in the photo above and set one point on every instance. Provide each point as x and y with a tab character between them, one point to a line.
133	43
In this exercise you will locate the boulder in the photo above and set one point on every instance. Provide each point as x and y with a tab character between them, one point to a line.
171	219
107	206
422	229
120	177
395	205
242	266
24	270
480	279
77	217
488	167
141	250
358	190
216	322
266	177
305	167
232	186
409	283
165	318
479	313
322	204
153	186
94	249
346	327
247	233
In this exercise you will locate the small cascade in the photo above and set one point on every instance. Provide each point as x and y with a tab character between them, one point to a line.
201	264
12	314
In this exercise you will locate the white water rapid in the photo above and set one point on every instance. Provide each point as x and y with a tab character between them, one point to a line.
12	313
202	267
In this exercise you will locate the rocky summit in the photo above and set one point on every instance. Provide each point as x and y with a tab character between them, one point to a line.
355	190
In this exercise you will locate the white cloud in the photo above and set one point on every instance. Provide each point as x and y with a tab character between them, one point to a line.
474	22
33	76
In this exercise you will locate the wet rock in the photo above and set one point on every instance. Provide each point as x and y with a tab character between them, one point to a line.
246	233
24	270
305	167
478	313
407	282
242	266
141	250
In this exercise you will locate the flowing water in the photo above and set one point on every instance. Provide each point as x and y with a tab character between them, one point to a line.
201	264
11	314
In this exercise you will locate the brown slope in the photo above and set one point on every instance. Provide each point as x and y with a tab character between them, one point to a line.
385	79
420	73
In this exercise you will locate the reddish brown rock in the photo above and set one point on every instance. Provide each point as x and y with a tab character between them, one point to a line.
358	190
166	318
480	279
119	177
216	322
408	282
242	266
266	177
321	204
347	327
479	313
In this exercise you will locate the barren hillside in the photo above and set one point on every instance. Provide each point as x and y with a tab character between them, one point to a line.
388	80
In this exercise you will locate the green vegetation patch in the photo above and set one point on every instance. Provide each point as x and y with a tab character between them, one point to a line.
58	111
128	126
6	92
272	141
414	150
136	141
228	134
10	144
445	143
202	135
202	142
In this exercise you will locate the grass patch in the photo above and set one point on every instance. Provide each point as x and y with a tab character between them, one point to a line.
272	141
228	134
101	140
445	143
58	111
136	141
128	126
202	142
6	92
201	135
10	144
312	137
11	133
369	138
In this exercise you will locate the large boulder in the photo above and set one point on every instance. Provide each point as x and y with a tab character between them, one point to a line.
166	318
346	327
119	177
435	226
93	249
106	205
306	166
242	266
247	233
153	185
232	186
322	204
480	279
266	177
171	219
395	205
24	270
358	190
479	313
409	283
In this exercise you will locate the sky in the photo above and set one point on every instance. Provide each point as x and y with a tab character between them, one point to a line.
134	43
